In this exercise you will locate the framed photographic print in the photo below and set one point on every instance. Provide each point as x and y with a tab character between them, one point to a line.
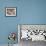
33	32
10	11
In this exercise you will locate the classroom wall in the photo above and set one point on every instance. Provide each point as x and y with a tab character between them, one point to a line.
28	12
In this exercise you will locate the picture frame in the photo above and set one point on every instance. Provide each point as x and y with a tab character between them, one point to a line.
37	29
10	11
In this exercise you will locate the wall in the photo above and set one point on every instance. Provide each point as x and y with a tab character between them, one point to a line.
33	12
28	12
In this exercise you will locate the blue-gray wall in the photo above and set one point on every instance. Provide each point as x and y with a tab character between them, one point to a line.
28	12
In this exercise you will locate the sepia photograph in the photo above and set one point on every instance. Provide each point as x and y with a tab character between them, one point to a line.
11	11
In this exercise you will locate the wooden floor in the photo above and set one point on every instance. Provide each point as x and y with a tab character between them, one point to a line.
30	43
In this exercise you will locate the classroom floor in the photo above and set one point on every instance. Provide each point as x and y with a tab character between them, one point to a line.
30	43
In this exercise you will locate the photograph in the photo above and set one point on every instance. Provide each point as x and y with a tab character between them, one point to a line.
10	11
29	34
